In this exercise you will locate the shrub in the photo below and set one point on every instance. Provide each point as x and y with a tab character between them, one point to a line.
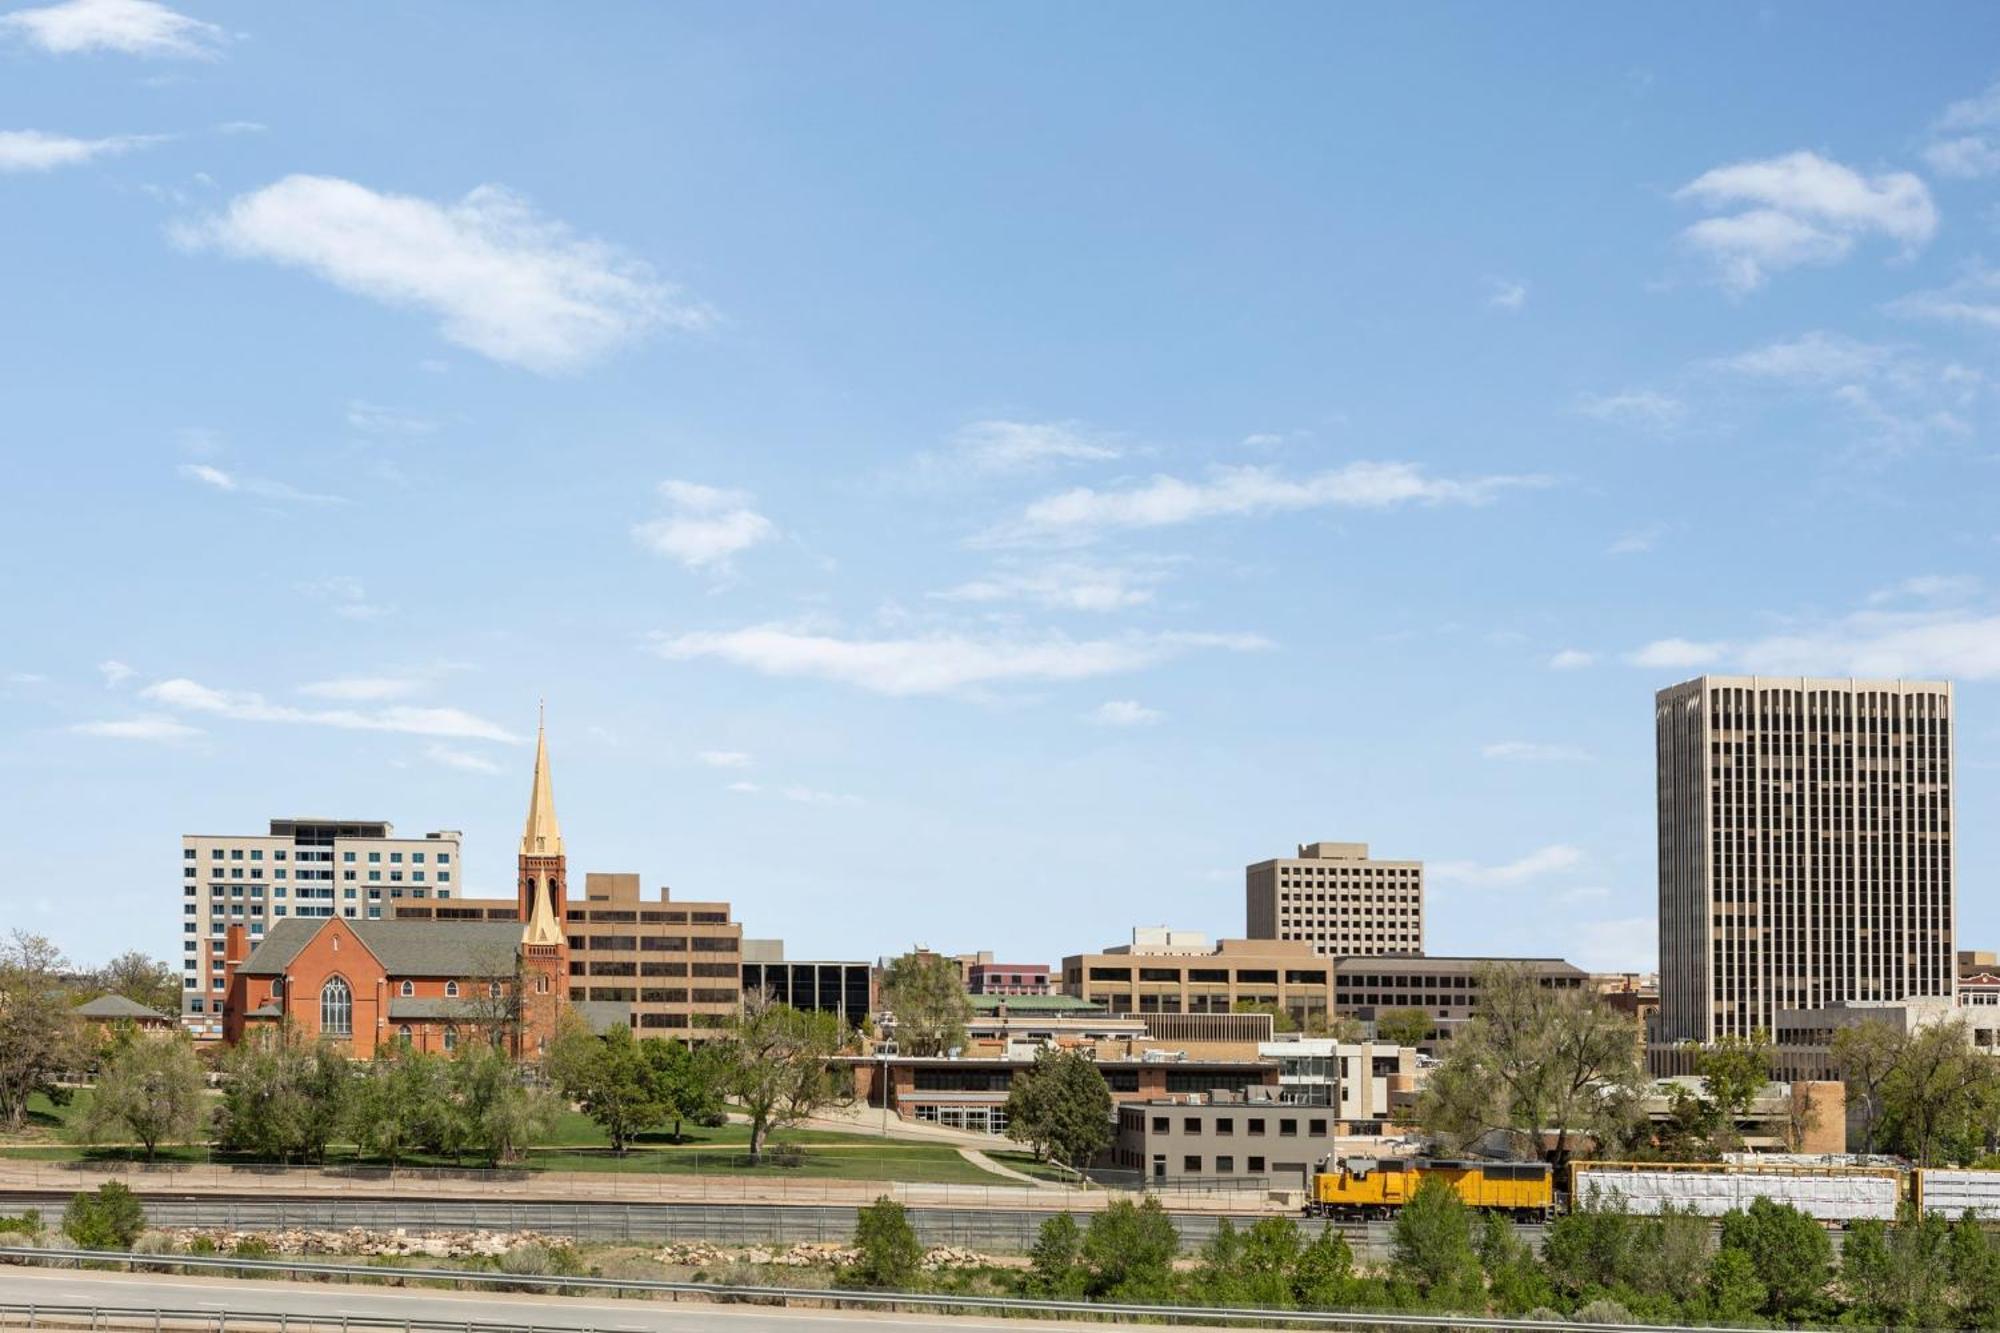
890	1257
28	1223
110	1219
530	1260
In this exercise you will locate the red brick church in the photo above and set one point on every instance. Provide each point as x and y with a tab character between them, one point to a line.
434	984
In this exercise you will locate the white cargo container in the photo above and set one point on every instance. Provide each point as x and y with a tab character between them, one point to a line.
1950	1191
1829	1194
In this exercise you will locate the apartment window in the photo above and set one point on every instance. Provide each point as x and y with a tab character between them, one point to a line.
188	872
374	875
336	1008
416	858
236	853
444	876
444	858
374	857
215	855
396	858
187	853
417	876
256	855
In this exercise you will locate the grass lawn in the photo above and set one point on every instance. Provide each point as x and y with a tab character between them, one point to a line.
1030	1165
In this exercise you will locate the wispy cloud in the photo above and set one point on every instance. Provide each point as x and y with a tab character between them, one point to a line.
1572	659
1124	713
1816	357
1084	512
362	689
32	150
1677	654
814	796
347	596
1645	408
1534	752
704	526
188	696
1800	208
160	730
1974	298
373	419
1966	138
501	279
1638	541
258	487
1549	860
129	27
446	756
1506	293
1063	585
1018	446
114	672
938	663
724	758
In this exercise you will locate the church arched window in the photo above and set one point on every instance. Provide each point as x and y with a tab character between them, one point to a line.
336	1008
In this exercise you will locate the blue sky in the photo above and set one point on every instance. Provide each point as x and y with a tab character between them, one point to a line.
977	476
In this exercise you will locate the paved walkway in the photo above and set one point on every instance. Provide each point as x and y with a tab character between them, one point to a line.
985	1163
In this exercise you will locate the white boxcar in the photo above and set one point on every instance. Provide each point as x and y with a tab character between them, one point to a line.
1951	1192
1831	1196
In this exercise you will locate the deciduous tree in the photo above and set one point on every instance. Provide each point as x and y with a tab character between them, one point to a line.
283	1097
609	1078
924	992
39	1036
777	1066
151	1090
140	977
1061	1107
1404	1027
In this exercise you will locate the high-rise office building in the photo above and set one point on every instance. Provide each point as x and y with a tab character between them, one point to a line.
302	868
1336	898
1805	838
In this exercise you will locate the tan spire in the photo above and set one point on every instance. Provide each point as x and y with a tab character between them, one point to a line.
542	836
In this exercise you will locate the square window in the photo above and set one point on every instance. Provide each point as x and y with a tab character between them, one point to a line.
1225	1166
1256	1127
1191	1164
1191	1124
444	858
1288	1128
1256	1166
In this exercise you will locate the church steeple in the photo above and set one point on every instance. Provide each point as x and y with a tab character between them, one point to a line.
542	836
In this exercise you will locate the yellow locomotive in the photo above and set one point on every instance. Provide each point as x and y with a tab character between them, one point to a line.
1379	1186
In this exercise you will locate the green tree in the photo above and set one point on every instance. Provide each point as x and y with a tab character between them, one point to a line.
1323	1278
1061	1107
689	1082
888	1256
1733	1070
499	1115
1590	1249
1940	1094
1267	1262
1975	1275
1733	1294
777	1066
1218	1278
1053	1271
1431	1247
110	1219
142	979
1405	1027
924	993
402	1104
609	1078
283	1098
1534	1057
1130	1251
1865	1054
1515	1283
39	1037
1789	1253
1899	1276
151	1090
1282	1020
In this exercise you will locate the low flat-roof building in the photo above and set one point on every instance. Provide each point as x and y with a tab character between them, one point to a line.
1365	1084
971	1092
1445	988
845	989
1252	1141
1282	974
985	978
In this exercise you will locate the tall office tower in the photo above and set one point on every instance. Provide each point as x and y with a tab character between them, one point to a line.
1805	834
1333	896
302	867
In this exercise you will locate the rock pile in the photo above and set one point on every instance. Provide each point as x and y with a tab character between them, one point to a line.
362	1242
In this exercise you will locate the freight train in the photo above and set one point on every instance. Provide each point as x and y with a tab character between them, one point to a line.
1361	1187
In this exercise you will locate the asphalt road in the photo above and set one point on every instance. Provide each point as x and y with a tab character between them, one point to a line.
322	1301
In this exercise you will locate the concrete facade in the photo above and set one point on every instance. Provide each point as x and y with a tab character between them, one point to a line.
1336	898
969	1093
1223	1138
1805	848
1446	988
1285	974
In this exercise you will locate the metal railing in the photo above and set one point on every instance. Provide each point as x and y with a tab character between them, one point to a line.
895	1301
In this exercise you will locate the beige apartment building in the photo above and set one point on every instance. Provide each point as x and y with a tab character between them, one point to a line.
1336	898
1805	848
353	868
1285	974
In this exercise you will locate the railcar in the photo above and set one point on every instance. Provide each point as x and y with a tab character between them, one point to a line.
1380	1186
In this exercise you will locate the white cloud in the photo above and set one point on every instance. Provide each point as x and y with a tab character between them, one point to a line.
1572	659
704	525
233	484
348	596
1534	752
1549	860
24	678
1124	713
1677	654
1063	585
245	706
161	729
1812	358
500	279
32	150
361	689
1506	293
1083	512
1014	446
115	673
1801	209
938	663
724	758
1638	407
1973	146
1638	541
1973	299
447	757
131	27
377	420
1960	644
812	796
1934	588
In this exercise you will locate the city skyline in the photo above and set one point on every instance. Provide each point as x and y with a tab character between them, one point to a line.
929	465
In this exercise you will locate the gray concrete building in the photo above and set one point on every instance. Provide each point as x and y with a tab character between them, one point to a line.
1805	848
1218	1138
1338	899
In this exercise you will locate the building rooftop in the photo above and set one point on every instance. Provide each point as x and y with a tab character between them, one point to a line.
118	1006
405	948
1041	1005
